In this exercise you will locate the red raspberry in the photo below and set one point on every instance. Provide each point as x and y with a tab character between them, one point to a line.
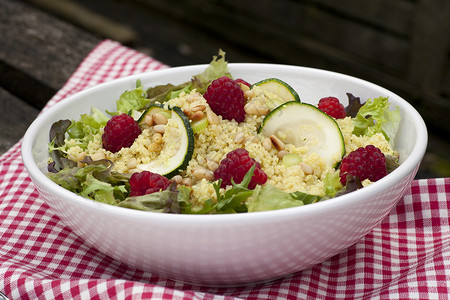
120	131
240	80
146	182
235	165
364	163
332	107
226	98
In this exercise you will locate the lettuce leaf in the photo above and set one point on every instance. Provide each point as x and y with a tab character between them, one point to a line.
354	104
96	181
82	131
233	200
167	201
376	117
135	99
332	184
268	197
218	67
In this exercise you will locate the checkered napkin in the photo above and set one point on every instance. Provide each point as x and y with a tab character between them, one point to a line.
406	257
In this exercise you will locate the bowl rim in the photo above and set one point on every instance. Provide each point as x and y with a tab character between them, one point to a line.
402	171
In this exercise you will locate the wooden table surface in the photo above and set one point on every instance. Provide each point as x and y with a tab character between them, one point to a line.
39	52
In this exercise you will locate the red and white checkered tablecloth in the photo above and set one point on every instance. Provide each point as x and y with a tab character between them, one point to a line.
406	257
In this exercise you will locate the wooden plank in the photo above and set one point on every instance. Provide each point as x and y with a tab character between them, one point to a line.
300	21
390	15
38	52
15	117
430	45
89	20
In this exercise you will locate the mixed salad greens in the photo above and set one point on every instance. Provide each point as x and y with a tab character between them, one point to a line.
97	180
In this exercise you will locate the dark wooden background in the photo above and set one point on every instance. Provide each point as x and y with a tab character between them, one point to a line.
403	45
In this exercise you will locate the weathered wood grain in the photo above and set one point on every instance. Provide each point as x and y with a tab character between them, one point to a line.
38	52
15	117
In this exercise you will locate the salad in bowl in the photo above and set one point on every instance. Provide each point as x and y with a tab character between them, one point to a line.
217	144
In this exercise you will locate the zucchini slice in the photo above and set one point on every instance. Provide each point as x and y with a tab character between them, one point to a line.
304	125
276	92
178	140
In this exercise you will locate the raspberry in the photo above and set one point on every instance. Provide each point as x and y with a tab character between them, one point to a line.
332	107
120	131
146	182
240	80
226	98
235	165
364	163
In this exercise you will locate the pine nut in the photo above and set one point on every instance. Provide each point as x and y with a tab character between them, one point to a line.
148	119
256	109
98	156
192	98
213	119
186	182
251	139
202	173
157	138
249	94
177	178
159	119
187	112
212	165
132	163
277	143
244	87
160	128
282	153
267	143
198	115
307	169
200	107
239	137
154	147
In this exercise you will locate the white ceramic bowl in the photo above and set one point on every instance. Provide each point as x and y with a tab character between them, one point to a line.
228	249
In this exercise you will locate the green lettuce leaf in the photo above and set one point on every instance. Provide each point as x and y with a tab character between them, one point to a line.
218	67
376	117
66	178
82	132
233	200
135	99
332	184
268	197
167	201
96	181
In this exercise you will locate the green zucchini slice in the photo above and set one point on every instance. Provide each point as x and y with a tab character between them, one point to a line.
178	141
303	124
275	93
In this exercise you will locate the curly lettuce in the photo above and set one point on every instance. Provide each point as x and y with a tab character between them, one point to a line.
135	99
375	116
218	67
